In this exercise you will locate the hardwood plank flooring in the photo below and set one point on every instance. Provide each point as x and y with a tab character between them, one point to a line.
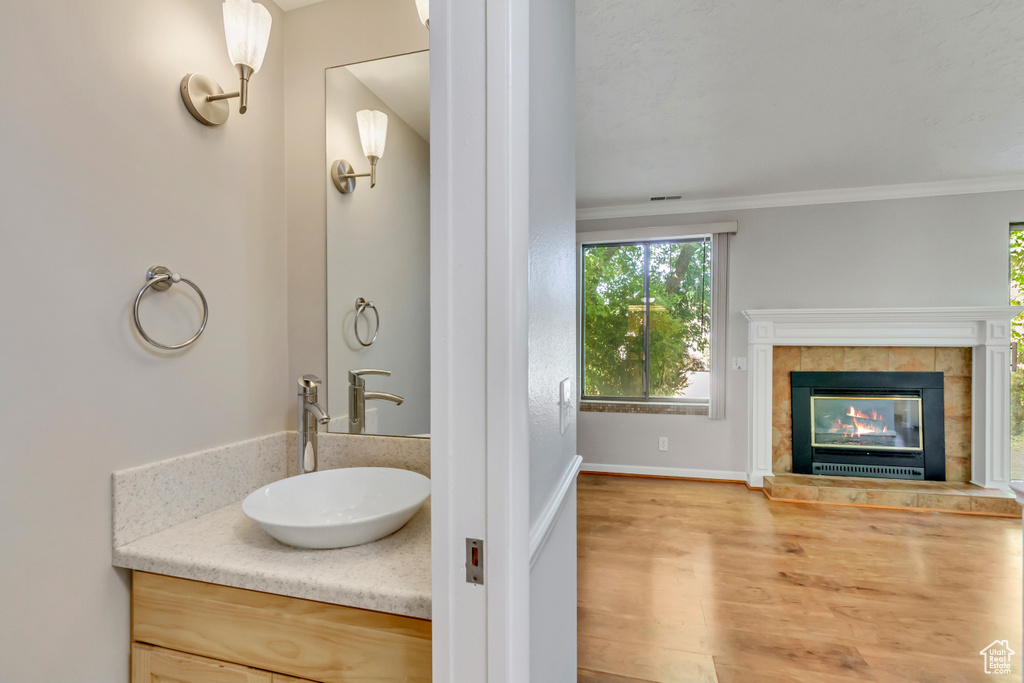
702	581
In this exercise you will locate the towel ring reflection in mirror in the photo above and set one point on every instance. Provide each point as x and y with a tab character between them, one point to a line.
161	279
361	306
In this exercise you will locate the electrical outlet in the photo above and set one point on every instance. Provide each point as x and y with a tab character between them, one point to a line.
739	363
662	443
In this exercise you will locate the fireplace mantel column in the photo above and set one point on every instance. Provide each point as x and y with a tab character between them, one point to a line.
759	422
990	411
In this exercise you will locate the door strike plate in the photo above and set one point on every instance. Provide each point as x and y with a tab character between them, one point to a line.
474	561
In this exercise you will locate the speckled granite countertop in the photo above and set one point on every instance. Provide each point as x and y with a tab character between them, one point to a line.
176	517
227	548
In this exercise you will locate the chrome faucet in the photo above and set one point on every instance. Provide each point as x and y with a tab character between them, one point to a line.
310	416
358	396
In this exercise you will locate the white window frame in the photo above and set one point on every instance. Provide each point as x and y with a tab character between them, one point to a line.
719	233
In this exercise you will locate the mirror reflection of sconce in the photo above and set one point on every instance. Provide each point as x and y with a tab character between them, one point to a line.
373	130
423	7
247	30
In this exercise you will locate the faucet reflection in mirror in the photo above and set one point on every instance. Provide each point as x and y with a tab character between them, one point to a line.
358	396
373	131
247	31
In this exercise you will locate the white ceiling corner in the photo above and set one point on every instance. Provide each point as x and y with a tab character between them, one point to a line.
294	4
402	82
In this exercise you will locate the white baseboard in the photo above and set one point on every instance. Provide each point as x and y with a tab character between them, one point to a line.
549	515
680	472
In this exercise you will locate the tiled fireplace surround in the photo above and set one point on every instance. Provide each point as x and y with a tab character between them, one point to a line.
953	362
969	345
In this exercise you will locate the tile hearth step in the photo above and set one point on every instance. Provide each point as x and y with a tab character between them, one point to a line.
938	496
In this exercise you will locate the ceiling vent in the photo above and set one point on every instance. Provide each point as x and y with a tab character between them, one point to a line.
666	197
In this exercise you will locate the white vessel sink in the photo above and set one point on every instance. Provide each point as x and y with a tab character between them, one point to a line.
338	508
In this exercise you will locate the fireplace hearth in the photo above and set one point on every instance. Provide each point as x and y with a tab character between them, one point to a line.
869	424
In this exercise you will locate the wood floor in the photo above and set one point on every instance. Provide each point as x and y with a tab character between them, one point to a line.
697	581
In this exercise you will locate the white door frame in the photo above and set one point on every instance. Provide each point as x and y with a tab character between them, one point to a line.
479	70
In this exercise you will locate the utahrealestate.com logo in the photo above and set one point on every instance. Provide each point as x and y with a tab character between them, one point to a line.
997	657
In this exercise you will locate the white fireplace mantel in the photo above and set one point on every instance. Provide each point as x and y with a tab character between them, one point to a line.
985	329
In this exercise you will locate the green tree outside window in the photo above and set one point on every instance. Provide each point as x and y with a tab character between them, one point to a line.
646	313
1016	337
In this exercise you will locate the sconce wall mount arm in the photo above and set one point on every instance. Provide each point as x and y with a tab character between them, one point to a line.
207	101
344	176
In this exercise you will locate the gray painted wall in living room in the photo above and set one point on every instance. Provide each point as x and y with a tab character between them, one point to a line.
936	251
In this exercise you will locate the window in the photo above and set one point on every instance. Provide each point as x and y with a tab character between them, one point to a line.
653	306
647	320
1016	337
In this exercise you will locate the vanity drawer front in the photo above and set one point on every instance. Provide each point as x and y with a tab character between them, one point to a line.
156	665
303	638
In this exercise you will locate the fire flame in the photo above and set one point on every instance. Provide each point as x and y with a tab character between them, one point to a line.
856	427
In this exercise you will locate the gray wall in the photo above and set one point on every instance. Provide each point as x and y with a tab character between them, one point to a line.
378	248
105	173
940	251
317	37
552	240
552	328
553	602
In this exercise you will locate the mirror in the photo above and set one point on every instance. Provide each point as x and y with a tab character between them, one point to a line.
378	250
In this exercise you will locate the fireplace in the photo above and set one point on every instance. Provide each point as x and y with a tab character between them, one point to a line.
869	424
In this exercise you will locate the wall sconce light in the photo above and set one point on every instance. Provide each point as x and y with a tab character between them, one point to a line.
373	130
423	7
247	30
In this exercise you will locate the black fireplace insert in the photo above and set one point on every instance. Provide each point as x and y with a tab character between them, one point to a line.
869	424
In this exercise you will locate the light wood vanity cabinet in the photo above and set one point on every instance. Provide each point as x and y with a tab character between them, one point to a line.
192	632
157	665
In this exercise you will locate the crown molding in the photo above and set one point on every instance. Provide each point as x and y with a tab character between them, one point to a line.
855	317
767	201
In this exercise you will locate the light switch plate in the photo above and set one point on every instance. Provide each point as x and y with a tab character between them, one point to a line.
564	403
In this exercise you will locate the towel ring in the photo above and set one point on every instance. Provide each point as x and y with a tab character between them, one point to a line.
361	306
160	279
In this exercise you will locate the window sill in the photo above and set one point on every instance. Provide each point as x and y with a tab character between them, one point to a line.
645	408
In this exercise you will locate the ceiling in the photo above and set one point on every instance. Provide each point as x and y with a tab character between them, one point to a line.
717	99
403	84
733	98
294	4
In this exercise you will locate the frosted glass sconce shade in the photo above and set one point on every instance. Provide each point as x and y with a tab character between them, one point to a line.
423	7
247	30
373	131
